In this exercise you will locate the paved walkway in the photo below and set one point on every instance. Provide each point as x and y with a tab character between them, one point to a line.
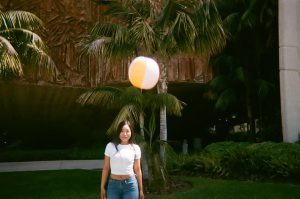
50	165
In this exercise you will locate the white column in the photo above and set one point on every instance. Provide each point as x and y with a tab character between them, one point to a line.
289	64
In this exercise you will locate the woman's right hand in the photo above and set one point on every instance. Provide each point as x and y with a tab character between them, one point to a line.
103	193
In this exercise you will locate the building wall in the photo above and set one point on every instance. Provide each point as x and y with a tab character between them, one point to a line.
67	21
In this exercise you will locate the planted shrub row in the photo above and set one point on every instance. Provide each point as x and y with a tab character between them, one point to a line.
266	160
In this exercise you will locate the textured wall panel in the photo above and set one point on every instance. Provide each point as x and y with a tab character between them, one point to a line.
67	21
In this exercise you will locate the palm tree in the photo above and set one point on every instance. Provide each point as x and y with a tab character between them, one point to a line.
231	86
21	46
159	29
245	69
134	105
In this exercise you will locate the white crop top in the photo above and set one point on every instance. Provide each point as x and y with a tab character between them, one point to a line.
121	161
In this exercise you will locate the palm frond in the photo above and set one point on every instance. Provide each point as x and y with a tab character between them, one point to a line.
226	99
20	28
264	88
10	64
184	31
239	74
211	37
232	22
38	57
172	104
128	112
141	32
132	95
250	17
121	10
150	131
176	23
32	50
169	12
107	97
20	19
23	36
219	83
108	41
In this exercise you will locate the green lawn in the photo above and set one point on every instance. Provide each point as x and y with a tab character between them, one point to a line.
84	184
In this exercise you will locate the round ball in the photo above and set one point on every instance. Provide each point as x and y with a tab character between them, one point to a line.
143	72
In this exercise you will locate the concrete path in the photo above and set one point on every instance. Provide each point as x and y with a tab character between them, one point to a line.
50	165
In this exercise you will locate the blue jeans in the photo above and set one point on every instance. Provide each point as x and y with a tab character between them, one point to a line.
123	189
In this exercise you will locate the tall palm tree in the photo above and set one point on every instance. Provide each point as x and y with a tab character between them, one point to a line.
20	45
134	105
159	29
245	68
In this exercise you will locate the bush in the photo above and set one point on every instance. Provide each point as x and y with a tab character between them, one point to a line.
199	164
266	160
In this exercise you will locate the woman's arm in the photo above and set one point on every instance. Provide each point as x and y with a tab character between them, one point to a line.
105	172
138	172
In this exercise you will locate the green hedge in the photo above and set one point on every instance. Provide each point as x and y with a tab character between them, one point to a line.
267	160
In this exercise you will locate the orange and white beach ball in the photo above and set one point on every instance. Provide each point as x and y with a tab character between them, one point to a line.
143	72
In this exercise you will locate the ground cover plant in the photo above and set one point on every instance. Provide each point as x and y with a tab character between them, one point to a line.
78	184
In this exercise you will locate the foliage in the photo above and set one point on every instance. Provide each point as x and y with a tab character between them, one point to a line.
246	71
134	29
196	164
130	102
20	45
158	29
135	105
266	160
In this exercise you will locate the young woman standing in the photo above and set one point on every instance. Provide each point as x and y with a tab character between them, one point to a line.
121	174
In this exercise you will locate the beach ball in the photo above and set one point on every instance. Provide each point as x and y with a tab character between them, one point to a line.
143	72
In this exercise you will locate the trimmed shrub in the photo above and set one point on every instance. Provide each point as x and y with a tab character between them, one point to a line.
242	160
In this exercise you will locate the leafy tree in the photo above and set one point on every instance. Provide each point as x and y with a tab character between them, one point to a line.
21	46
134	105
159	29
246	72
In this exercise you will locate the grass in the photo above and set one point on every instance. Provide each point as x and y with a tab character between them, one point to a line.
63	184
78	184
228	189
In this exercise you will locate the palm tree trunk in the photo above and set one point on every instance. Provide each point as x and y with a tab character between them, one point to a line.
163	133
251	121
145	167
142	125
163	88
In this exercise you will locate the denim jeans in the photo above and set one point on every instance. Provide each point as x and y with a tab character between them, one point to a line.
123	189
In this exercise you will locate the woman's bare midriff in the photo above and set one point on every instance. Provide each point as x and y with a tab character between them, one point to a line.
119	177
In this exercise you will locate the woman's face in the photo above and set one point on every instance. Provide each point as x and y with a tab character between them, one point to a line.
125	134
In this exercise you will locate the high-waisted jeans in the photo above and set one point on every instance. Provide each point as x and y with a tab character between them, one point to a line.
123	189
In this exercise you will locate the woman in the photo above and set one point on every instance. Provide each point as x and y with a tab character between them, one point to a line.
122	162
